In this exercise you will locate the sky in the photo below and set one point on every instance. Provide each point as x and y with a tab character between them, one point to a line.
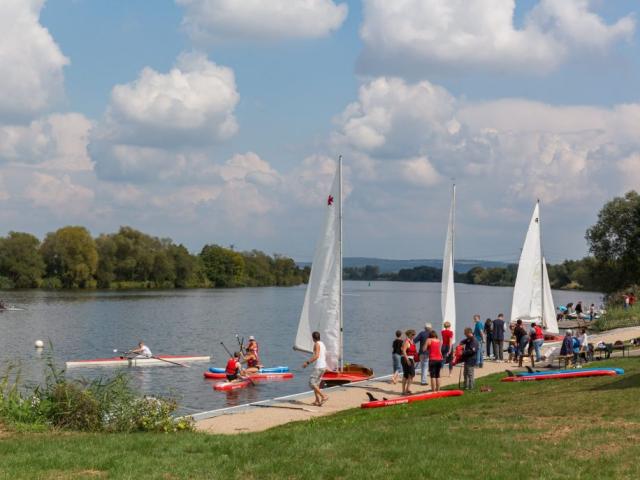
220	121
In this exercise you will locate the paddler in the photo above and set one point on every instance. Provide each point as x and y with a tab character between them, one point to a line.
234	368
142	350
253	347
251	359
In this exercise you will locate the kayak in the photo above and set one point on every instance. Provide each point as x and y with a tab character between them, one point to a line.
255	376
228	386
138	361
619	371
554	376
349	374
280	369
418	397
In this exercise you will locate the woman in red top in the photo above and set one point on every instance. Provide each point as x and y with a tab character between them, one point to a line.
435	360
447	346
409	354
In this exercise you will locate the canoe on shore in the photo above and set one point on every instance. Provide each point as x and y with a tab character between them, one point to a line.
279	369
418	397
254	376
555	376
619	371
138	361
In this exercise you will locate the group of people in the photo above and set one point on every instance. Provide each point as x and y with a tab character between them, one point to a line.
432	352
249	355
629	300
576	347
578	311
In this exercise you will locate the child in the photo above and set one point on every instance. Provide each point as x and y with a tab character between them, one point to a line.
512	345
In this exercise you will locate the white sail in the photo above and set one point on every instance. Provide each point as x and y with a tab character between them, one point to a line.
321	311
448	294
532	299
549	320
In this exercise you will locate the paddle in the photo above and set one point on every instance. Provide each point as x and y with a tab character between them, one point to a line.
231	355
155	358
240	342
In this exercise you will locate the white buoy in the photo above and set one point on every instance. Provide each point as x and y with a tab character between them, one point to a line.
39	344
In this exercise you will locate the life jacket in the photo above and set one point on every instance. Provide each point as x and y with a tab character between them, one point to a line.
255	349
232	366
412	351
457	354
252	362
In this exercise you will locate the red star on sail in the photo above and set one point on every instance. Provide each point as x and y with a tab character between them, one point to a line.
330	200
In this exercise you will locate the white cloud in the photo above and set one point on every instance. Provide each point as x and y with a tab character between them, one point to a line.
4	195
525	149
629	169
30	60
59	194
213	21
57	141
428	35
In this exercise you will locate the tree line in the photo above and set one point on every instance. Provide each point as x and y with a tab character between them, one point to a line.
71	258
613	263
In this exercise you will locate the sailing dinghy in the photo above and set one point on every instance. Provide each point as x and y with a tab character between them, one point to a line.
448	294
322	308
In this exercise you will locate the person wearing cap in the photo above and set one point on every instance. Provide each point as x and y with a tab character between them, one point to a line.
253	346
421	341
251	356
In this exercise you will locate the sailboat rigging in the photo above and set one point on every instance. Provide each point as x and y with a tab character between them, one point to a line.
322	309
448	294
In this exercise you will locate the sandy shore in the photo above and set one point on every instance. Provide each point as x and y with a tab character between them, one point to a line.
255	419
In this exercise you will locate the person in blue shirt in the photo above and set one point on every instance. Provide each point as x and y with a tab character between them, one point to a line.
575	348
478	333
421	343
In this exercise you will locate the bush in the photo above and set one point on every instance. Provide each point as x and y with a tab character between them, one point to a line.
618	317
51	283
108	405
6	283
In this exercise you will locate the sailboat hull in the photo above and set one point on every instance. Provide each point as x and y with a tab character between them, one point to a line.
349	374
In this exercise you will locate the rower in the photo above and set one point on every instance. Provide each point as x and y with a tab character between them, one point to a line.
233	369
142	350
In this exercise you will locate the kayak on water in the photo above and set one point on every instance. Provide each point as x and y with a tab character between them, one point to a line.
280	369
553	376
253	376
138	361
418	397
619	371
228	386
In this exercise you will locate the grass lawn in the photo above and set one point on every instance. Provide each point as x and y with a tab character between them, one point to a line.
583	428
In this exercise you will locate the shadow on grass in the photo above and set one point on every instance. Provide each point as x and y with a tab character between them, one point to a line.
626	381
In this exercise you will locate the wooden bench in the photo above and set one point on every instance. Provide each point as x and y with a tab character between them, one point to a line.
567	360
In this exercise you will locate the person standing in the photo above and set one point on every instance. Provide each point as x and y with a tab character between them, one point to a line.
567	346
421	342
498	337
434	349
592	312
469	356
409	355
579	309
396	349
320	359
538	339
488	335
522	339
584	345
447	346
478	332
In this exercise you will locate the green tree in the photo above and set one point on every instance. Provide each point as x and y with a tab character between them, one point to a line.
20	260
614	242
70	254
222	266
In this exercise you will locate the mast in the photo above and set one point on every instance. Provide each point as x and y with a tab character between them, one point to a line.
341	354
542	321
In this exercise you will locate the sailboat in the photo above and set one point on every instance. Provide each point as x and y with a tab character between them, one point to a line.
447	293
322	308
532	299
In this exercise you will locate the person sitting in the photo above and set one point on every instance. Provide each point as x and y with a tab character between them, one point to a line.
234	368
251	360
141	351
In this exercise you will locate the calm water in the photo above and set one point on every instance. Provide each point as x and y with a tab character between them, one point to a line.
85	325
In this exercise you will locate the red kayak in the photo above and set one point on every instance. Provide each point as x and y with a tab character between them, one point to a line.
553	376
228	386
254	376
418	397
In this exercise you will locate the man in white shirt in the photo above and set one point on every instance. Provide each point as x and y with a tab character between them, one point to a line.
142	351
320	359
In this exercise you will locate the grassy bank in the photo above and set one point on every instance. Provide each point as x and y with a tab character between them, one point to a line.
584	428
618	317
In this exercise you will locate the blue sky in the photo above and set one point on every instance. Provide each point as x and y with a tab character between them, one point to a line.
219	120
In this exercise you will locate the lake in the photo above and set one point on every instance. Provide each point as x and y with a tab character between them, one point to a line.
82	325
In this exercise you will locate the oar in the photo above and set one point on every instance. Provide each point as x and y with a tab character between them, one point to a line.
240	342
155	358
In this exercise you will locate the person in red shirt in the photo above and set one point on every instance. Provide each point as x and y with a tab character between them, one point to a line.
538	339
233	368
434	349
409	355
447	346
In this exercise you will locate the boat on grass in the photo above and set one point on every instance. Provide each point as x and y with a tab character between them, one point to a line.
139	361
556	376
418	397
322	309
619	371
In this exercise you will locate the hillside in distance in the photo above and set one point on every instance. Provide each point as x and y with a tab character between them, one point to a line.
393	266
